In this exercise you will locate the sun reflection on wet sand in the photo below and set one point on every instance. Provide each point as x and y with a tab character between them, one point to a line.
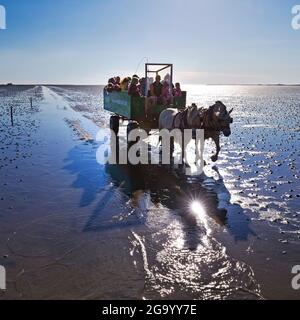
199	211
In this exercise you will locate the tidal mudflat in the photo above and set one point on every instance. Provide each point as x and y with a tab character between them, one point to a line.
71	228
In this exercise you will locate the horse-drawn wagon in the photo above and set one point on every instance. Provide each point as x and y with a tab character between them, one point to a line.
133	109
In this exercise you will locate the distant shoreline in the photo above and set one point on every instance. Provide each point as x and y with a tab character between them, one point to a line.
188	84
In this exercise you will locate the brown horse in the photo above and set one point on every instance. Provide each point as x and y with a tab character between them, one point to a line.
216	120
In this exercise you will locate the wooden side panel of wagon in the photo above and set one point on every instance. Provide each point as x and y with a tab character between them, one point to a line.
122	104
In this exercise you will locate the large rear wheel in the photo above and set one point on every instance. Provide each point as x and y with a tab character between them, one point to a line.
132	125
114	124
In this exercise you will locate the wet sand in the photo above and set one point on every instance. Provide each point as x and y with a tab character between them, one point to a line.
71	228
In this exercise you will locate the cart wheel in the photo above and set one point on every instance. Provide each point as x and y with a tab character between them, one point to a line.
114	124
132	125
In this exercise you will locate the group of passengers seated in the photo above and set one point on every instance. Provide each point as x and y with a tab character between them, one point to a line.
159	92
114	84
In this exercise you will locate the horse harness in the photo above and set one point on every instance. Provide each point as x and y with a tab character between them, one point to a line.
183	124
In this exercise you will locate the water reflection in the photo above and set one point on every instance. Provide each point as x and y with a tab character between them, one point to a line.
171	220
181	256
108	188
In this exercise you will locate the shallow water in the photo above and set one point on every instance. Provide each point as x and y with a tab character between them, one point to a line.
71	228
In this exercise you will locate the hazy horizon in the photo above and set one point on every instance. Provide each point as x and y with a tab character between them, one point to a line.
185	84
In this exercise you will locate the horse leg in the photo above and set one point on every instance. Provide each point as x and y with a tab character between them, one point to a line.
197	153
171	150
159	145
172	146
216	139
182	148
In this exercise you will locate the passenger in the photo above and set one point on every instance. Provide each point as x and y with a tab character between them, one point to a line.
117	88
167	78
117	80
156	88
112	80
134	90
142	86
110	86
167	97
124	85
154	95
116	83
177	90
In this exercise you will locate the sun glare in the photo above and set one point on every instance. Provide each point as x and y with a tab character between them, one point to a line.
198	208
199	211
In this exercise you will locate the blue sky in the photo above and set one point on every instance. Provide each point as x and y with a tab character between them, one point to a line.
211	41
